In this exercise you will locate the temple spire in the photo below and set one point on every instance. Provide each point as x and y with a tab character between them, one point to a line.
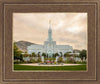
49	24
50	32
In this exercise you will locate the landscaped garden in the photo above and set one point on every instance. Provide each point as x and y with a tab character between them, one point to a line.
43	62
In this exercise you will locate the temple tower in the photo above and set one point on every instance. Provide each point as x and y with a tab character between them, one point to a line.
50	41
50	32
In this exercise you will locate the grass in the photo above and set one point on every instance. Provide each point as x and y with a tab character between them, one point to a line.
58	68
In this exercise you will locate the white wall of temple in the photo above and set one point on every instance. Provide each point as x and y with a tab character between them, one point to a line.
35	48
44	48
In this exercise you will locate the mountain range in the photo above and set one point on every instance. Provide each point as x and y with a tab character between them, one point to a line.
22	45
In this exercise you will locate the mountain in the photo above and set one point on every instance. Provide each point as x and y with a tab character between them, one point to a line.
76	51
22	45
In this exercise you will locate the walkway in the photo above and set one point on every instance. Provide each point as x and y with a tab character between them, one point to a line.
36	64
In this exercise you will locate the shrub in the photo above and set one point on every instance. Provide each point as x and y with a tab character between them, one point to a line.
55	62
49	59
60	60
18	62
39	60
32	61
71	60
80	62
53	59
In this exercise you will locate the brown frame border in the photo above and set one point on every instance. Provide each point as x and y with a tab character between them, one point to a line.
92	78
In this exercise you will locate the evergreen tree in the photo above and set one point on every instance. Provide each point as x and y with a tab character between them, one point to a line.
17	53
33	54
43	54
83	54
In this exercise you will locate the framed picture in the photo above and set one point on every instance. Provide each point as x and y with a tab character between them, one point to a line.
49	42
67	53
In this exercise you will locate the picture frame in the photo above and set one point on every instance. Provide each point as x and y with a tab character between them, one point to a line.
92	75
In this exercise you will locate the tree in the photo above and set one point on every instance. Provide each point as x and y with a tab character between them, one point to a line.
21	57
17	53
56	54
33	54
38	54
82	54
43	54
61	54
67	54
25	55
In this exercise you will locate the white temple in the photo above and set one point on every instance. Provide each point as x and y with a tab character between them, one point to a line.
49	47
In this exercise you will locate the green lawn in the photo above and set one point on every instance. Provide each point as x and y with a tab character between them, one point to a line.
66	68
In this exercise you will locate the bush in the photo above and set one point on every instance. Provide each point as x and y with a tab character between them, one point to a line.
53	59
60	60
55	62
32	61
18	62
39	60
80	62
70	60
49	59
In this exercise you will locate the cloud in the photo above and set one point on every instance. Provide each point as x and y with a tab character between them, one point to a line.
67	28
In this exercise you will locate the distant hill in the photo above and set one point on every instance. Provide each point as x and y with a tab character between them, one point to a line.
76	51
22	45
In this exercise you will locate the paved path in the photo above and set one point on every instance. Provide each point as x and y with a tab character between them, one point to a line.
36	64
